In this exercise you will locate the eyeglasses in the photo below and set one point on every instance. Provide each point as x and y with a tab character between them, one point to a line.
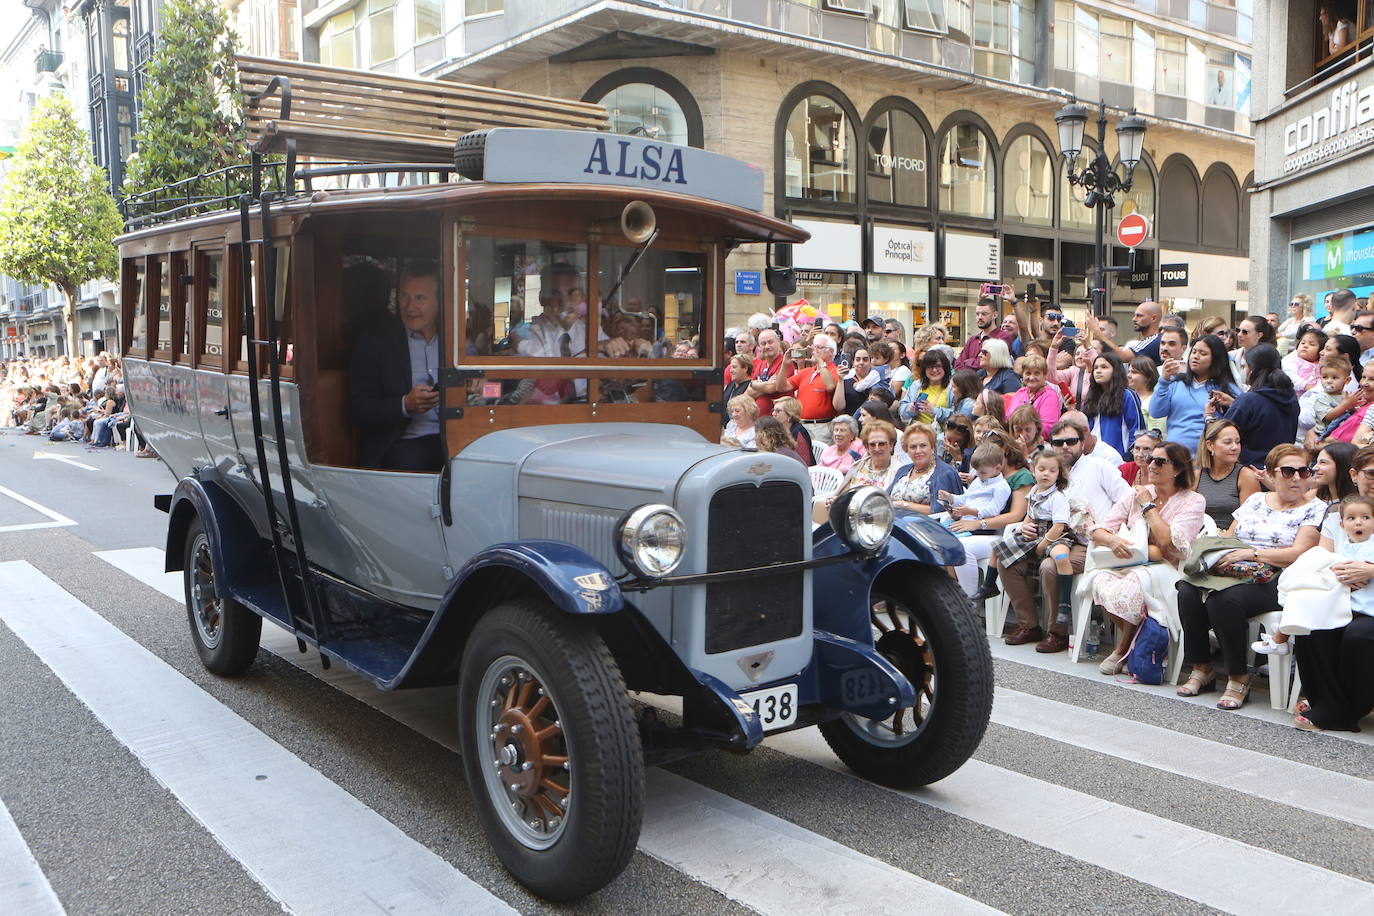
1244	331
1287	472
1157	461
1368	473
1361	327
1053	316
1060	443
878	442
1295	304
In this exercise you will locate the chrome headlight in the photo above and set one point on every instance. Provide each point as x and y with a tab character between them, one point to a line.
651	540
862	517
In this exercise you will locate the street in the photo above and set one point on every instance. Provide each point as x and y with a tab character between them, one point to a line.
133	781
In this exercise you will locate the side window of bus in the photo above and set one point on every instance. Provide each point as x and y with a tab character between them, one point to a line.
526	298
182	311
658	310
136	294
282	301
209	273
160	277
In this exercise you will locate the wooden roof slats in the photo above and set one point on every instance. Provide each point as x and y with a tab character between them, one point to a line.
377	117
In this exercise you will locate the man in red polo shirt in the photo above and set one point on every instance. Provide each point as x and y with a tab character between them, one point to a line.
815	382
771	370
988	317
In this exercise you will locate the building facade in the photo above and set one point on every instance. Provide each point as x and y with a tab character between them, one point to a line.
915	138
1313	230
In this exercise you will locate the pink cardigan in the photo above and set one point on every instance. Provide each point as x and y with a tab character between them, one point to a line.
1046	403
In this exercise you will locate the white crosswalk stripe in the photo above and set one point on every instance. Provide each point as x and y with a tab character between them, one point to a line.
774	866
23	886
260	802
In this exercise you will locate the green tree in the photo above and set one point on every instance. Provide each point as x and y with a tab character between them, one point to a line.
191	117
57	218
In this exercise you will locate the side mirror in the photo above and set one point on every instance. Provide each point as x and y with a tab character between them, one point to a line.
781	281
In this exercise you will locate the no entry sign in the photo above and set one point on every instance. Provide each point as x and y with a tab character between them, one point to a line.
1132	230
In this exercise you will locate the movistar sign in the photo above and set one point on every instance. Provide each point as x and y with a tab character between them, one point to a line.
587	157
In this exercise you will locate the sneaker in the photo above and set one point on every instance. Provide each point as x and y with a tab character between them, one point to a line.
1266	646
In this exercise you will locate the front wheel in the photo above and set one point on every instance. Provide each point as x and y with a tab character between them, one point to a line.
225	632
924	624
550	749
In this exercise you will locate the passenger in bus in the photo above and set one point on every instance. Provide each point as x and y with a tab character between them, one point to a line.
558	331
393	380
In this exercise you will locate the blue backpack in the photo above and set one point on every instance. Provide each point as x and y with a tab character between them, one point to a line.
1150	647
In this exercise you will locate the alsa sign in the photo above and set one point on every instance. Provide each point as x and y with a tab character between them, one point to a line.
1326	132
585	157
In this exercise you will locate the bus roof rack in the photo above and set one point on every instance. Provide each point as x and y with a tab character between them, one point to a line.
313	110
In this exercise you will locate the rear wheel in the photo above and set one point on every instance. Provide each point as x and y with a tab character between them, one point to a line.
550	749
225	632
925	626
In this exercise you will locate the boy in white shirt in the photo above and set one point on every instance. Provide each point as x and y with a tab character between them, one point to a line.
987	495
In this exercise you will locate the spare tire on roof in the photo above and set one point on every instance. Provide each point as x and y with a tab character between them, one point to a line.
469	153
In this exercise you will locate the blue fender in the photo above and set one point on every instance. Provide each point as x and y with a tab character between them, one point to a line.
571	578
928	540
748	730
234	541
852	676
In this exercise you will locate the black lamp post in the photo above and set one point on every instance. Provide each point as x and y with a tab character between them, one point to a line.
1098	178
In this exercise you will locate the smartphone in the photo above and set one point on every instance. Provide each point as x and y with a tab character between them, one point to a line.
922	398
1070	332
993	289
1030	290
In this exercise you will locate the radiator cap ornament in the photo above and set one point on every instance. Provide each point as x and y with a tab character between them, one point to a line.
754	665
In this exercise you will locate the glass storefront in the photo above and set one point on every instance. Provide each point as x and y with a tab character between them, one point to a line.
832	293
896	162
1028	182
819	151
1027	260
957	299
1341	261
967	180
907	299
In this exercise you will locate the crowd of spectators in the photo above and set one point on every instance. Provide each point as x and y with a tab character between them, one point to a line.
68	399
1213	456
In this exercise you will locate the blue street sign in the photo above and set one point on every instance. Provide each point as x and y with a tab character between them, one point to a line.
748	282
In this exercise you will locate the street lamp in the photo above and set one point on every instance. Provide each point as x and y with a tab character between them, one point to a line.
1098	179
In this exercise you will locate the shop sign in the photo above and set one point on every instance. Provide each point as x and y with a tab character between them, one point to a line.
832	246
1027	268
1330	129
748	282
819	277
1140	279
903	251
1173	275
972	257
1342	256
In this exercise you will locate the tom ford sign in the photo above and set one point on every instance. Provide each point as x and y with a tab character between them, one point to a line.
1344	124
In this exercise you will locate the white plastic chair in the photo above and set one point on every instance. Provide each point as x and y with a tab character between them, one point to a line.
1280	666
1174	672
825	482
996	608
817	450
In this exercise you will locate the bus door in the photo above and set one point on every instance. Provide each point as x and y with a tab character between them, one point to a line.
206	317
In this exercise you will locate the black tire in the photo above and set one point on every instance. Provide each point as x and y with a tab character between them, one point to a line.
469	154
226	633
571	823
925	625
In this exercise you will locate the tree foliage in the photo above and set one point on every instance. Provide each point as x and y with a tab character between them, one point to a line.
191	120
57	219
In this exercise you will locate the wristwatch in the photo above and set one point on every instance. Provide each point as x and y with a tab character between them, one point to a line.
982	524
1147	507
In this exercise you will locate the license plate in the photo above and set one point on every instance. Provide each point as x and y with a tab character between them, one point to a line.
776	707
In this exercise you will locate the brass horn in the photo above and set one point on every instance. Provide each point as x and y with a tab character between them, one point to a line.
637	221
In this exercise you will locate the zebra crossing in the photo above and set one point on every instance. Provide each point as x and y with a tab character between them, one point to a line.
738	843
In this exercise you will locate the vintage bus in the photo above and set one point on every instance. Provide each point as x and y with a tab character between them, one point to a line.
464	431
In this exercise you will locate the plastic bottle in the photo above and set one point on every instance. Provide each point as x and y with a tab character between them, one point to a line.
1092	640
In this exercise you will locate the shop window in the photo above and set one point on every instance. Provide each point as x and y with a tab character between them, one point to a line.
818	150
967	180
897	157
647	111
1220	210
1073	213
1141	197
1028	182
1178	204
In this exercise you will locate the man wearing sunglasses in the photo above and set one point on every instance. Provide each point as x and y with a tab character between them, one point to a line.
1362	329
1093	483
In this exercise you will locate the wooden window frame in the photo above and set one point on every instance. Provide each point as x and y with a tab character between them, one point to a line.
132	289
182	343
200	299
162	262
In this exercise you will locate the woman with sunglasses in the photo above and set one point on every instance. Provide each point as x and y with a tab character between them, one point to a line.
1222	480
1181	400
1278	527
1172	513
1337	666
1250	333
1144	445
1299	313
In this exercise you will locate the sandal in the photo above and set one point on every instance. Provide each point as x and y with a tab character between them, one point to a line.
1200	680
1235	695
1306	724
1303	707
